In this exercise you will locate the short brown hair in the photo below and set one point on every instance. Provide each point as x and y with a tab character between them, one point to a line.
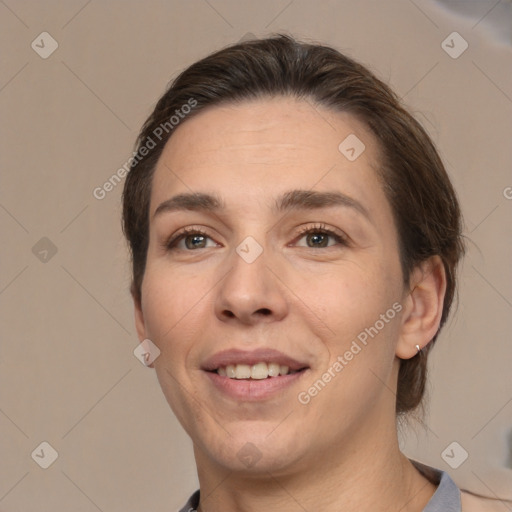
424	203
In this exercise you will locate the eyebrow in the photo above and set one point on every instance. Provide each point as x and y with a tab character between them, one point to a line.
292	200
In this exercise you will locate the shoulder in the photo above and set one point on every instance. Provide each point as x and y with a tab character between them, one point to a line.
474	503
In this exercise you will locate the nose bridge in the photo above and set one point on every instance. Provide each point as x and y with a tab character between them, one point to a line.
249	250
248	280
250	289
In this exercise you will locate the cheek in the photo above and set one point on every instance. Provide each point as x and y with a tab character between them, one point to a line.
173	303
362	308
354	298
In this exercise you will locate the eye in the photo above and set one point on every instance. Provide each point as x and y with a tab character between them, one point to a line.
190	239
320	237
315	237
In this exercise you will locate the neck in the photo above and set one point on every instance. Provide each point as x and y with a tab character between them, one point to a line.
366	473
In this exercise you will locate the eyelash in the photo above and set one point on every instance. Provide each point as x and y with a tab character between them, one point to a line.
321	229
317	229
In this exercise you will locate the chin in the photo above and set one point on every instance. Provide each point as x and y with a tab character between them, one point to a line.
252	451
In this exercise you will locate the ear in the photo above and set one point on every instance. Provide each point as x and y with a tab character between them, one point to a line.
423	307
140	326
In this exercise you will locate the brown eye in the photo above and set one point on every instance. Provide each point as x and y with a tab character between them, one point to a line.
190	240
196	241
320	238
317	239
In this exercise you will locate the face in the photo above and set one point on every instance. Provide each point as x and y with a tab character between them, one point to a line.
269	249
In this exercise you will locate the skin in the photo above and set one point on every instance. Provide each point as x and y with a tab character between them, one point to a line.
339	451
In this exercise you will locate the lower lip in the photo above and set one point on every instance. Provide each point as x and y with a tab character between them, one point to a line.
254	390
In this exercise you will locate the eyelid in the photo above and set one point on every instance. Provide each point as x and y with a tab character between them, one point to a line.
322	228
170	242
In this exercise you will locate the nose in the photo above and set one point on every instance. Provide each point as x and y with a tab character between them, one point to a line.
251	293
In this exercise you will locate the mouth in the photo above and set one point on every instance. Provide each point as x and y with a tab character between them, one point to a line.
258	371
255	375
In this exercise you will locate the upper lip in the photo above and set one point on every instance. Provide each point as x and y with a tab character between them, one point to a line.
266	355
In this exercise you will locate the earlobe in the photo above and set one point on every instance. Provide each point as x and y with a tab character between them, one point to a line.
423	307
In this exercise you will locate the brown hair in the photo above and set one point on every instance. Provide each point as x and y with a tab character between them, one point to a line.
423	201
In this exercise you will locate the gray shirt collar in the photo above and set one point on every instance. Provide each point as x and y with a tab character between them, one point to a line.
447	495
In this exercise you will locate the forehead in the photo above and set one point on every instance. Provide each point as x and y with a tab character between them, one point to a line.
265	146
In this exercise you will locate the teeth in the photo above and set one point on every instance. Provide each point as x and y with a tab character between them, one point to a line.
257	371
243	371
273	370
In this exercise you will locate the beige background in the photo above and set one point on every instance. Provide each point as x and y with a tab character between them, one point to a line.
68	375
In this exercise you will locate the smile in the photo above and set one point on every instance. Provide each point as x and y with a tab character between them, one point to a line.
254	375
258	371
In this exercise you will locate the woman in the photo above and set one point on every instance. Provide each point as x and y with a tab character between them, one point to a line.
295	239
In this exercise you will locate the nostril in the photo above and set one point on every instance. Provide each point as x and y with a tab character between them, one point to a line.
263	312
